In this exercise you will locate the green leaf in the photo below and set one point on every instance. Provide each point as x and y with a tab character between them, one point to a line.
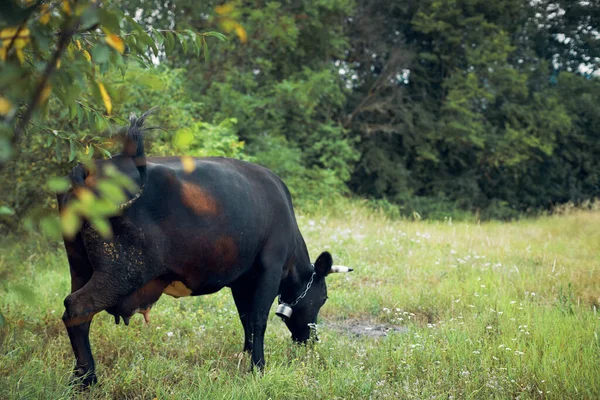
73	92
183	138
140	47
62	96
142	61
70	222
57	151
72	150
50	225
72	111
101	208
147	40
57	184
217	35
89	18
100	54
110	20
104	151
121	178
102	226
42	41
198	42
5	146
97	122
134	23
111	191
6	211
193	38
160	39
81	116
170	42
176	40
130	42
184	42
205	48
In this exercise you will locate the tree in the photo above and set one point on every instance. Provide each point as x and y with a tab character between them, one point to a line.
474	109
280	83
55	60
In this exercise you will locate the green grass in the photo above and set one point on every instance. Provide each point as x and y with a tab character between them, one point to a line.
494	310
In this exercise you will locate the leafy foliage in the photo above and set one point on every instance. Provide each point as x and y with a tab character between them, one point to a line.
57	65
181	132
280	86
474	115
435	107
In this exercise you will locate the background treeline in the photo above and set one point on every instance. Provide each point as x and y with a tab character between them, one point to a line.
434	106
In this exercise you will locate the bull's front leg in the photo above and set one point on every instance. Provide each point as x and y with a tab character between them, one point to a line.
98	294
243	295
81	272
85	372
267	286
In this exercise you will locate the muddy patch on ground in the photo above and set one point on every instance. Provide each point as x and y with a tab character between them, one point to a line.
365	328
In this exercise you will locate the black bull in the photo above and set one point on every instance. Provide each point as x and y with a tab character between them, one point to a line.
224	223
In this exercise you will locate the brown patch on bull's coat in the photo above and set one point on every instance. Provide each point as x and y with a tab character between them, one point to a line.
149	293
177	289
225	250
197	200
142	299
79	320
90	180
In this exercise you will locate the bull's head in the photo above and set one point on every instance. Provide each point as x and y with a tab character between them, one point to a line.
301	314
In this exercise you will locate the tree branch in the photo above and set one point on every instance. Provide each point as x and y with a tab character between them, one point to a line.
64	38
50	68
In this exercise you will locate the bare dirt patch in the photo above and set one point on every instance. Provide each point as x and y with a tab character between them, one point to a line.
365	328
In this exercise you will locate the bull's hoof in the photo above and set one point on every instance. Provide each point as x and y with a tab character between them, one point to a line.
83	379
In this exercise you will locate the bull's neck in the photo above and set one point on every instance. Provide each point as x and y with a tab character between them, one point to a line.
298	273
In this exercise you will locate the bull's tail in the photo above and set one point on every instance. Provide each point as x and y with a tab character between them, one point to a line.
134	144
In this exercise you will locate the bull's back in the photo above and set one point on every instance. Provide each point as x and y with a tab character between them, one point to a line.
207	225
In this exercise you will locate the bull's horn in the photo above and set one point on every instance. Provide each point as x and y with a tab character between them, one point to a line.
341	268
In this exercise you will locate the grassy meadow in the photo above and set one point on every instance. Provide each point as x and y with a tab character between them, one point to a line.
490	310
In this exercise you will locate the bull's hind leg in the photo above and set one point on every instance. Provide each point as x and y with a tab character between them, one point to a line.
243	293
81	272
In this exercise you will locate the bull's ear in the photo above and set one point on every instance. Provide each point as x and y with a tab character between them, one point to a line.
323	264
78	175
